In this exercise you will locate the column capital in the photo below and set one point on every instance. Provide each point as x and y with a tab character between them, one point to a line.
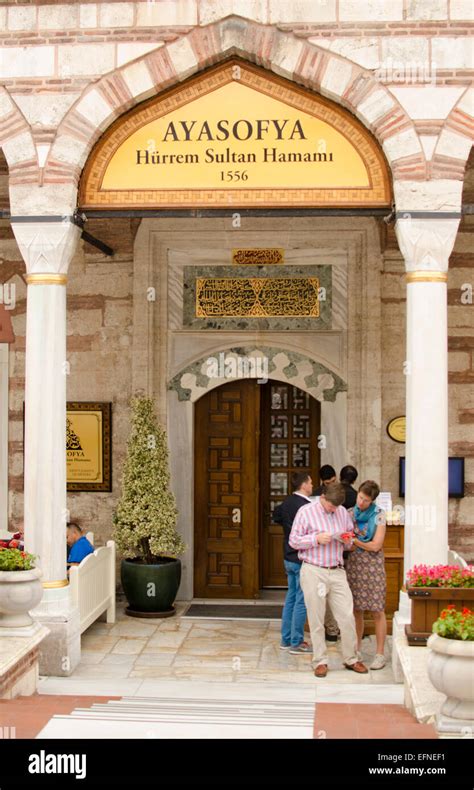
426	242
47	247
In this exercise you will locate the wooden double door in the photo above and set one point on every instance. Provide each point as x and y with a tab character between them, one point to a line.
249	440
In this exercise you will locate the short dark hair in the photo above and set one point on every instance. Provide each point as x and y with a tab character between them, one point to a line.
348	474
74	525
298	478
370	488
334	493
327	472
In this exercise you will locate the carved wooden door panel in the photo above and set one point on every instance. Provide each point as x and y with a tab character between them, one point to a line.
290	420
226	492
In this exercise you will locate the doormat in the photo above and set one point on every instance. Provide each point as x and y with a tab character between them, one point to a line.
222	611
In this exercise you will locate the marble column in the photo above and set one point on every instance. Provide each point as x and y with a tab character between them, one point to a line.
47	249
426	244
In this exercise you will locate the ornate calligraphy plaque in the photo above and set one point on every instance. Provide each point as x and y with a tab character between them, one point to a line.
255	297
293	297
258	257
236	136
88	446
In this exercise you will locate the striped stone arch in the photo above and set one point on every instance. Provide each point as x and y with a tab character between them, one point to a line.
16	142
296	59
455	140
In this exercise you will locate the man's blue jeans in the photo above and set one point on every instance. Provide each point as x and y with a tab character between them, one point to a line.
294	610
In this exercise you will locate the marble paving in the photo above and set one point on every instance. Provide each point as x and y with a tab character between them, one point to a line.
206	678
117	658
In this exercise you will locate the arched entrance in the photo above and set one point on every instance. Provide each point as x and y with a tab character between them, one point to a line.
250	438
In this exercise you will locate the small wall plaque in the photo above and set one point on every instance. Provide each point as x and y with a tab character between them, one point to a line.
258	257
396	429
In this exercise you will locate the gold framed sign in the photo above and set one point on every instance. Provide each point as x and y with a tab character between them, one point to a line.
236	136
257	297
396	429
89	446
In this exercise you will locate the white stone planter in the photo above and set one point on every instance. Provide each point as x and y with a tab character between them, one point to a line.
20	591
451	671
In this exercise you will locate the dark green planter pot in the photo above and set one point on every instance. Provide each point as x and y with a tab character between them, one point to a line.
146	600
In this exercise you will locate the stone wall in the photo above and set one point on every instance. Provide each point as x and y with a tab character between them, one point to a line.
460	365
99	343
461	372
393	298
68	69
99	339
100	325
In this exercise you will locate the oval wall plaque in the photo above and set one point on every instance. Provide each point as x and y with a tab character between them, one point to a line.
396	429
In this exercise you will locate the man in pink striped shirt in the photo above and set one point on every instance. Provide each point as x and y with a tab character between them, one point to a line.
316	533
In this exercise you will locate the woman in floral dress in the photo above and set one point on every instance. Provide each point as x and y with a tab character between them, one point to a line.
365	567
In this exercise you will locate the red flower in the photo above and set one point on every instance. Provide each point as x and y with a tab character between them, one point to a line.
451	606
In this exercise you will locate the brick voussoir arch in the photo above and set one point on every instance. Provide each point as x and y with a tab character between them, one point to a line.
279	51
456	136
16	142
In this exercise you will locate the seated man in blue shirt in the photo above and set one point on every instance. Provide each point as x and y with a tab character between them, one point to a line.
79	546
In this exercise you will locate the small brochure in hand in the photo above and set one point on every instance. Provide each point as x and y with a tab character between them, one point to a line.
343	536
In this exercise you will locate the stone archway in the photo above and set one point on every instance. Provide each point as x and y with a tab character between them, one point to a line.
305	63
288	366
331	75
193	382
16	142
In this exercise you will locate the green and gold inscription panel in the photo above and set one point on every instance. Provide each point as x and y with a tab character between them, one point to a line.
265	297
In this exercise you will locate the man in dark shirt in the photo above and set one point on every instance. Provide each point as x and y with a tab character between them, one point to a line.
294	609
348	476
327	475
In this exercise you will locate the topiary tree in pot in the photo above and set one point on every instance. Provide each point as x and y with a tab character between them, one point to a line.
145	519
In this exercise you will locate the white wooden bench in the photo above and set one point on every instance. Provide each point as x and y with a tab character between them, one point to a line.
92	585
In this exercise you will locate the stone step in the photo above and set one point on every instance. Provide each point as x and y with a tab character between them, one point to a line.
203	717
169	717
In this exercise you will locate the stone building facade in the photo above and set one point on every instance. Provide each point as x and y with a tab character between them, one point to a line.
402	67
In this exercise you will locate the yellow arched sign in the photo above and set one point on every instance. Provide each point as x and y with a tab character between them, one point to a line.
236	136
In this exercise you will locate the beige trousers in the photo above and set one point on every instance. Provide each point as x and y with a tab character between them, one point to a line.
330	625
319	586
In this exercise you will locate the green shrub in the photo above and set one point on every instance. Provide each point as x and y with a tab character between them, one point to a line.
16	560
145	518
